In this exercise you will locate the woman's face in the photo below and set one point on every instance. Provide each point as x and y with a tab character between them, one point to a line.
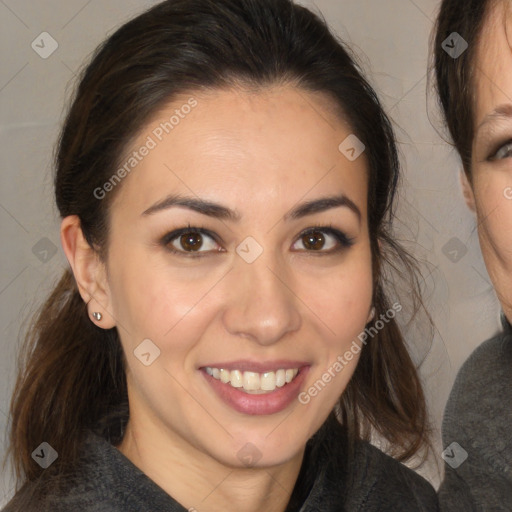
492	150
239	242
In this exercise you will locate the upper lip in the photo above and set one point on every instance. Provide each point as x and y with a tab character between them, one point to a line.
246	365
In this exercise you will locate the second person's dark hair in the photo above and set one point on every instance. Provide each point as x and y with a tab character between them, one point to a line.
455	77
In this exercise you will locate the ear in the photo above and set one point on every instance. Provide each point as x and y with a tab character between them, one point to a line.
467	191
89	271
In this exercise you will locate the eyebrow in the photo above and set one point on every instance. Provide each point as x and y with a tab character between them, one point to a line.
195	204
221	212
322	205
499	113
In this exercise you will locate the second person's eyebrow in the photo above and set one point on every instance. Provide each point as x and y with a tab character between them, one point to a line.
500	112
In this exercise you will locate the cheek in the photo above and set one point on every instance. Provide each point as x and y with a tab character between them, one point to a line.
344	296
151	301
494	217
344	305
175	309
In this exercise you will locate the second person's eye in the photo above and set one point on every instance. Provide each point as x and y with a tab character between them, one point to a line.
504	151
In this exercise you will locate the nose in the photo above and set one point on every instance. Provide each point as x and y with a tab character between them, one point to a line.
262	305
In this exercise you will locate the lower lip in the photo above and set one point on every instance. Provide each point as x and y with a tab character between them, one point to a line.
268	403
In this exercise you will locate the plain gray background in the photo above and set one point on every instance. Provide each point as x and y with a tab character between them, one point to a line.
391	39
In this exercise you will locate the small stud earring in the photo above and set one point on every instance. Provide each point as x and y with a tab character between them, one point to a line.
97	316
372	315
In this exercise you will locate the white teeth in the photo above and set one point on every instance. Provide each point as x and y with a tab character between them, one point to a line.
280	378
268	381
252	382
235	379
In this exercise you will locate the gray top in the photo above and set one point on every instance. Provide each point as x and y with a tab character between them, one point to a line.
478	418
106	481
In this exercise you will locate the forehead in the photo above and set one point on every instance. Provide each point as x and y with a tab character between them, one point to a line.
251	149
492	70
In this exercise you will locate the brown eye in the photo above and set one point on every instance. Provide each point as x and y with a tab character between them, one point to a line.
314	240
324	240
191	241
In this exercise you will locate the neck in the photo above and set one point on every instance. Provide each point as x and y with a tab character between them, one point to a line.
198	481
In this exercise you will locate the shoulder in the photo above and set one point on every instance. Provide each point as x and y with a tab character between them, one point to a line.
483	386
103	480
357	476
382	483
490	359
476	430
77	488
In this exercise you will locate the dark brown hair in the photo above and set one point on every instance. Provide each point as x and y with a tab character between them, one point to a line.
455	77
72	373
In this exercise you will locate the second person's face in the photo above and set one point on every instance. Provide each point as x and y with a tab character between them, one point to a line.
492	149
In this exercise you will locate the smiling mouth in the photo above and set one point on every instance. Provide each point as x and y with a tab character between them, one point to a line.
253	383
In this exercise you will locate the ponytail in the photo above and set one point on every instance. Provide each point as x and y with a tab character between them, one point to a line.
70	376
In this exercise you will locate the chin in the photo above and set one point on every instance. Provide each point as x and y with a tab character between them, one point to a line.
259	452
